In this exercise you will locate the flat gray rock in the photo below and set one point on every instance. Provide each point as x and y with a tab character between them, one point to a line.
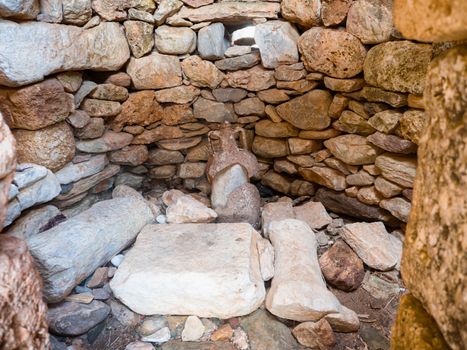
69	252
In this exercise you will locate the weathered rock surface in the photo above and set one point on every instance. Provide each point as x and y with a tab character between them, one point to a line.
227	274
65	48
315	334
110	141
77	12
398	169
277	43
202	73
19	9
72	319
212	43
426	20
434	249
253	79
52	147
314	214
297	273
35	106
140	37
373	244
214	112
307	112
155	71
370	21
398	66
352	149
341	267
335	53
324	176
174	40
304	13
97	234
230	12
186	209
23	312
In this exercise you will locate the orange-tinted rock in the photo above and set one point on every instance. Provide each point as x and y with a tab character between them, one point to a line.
52	147
332	52
141	108
130	155
308	112
269	148
315	334
23	322
303	12
334	11
253	79
202	73
162	132
324	176
35	106
177	114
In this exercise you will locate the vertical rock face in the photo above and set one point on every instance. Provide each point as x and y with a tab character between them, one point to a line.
32	50
431	20
19	9
23	322
435	253
7	165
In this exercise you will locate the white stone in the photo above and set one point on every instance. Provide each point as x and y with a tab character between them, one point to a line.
73	172
161	219
117	260
28	173
32	50
373	244
186	209
69	252
344	321
266	259
12	192
212	43
139	345
193	330
207	270
277	42
239	50
159	337
298	291
225	182
175	41
12	212
40	192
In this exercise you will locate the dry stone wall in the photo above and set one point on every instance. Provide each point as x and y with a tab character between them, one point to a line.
106	92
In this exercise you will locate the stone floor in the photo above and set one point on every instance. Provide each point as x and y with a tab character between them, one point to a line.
91	317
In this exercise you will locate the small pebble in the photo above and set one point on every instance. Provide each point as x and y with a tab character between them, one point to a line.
159	337
161	219
117	260
194	329
240	339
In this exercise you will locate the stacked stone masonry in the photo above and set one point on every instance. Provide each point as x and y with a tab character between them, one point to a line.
100	93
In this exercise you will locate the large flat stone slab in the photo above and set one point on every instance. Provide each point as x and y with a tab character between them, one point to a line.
71	251
32	50
208	270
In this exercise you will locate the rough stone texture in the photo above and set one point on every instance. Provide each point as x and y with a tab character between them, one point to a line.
399	207
110	141
23	323
352	149
175	41
315	334
77	12
414	328
431	20
214	112
35	106
373	244
307	112
141	108
253	79
269	148
277	43
202	73
392	143
412	124
155	71
297	273
212	43
7	166
52	147
265	332
305	13
227	274
180	94
341	267
19	9
398	169
230	12
97	235
33	221
140	37
335	53
398	66
324	176
434	259
186	209
72	319
314	214
64	48
370	20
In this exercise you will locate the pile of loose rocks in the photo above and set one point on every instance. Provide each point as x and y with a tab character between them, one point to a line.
309	280
126	92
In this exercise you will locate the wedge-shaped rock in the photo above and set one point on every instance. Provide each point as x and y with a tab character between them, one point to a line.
208	270
32	50
373	244
71	251
298	291
230	11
